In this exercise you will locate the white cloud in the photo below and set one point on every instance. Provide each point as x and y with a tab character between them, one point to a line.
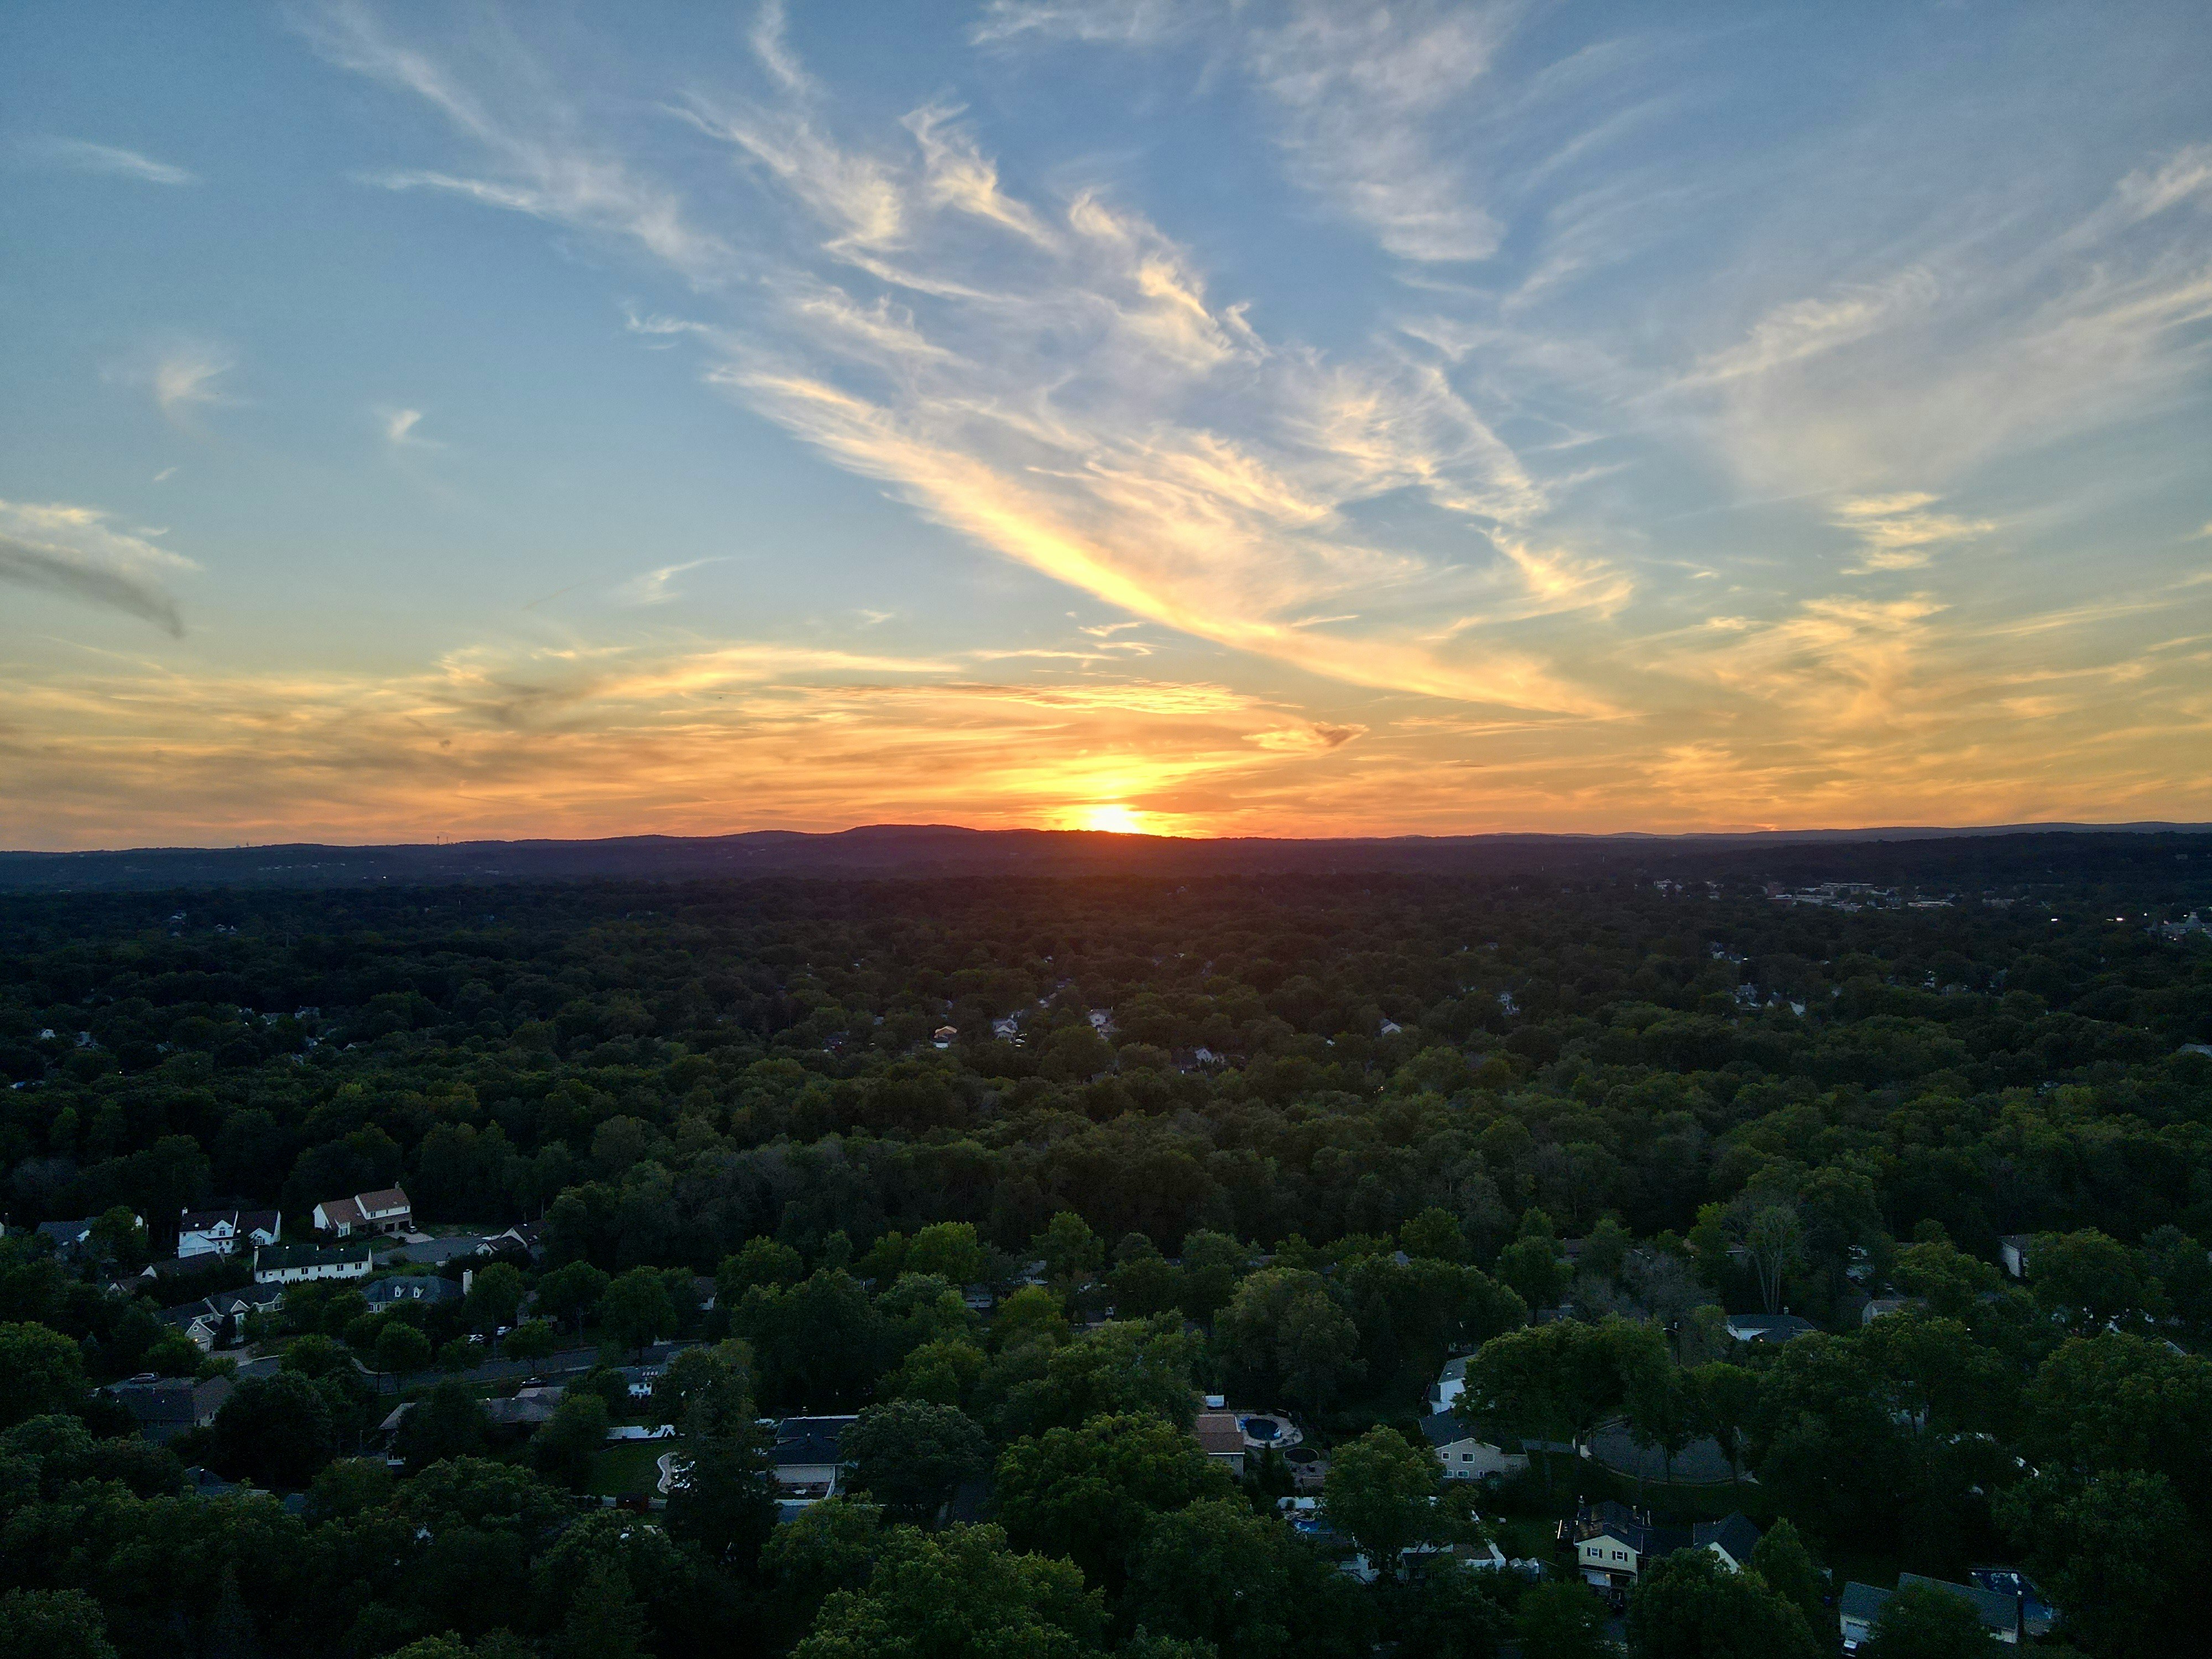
399	429
187	376
74	551
77	156
656	586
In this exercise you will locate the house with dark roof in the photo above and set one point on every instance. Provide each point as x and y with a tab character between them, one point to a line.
1860	1609
221	1232
808	1458
1614	1543
204	1321
292	1264
1465	1456
165	1407
401	1289
72	1240
385	1212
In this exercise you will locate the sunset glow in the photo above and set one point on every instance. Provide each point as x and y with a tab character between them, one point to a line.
1437	419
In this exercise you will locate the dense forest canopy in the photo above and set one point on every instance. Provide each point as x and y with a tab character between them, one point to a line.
1295	1137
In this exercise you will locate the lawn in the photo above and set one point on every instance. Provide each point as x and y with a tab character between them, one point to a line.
630	1468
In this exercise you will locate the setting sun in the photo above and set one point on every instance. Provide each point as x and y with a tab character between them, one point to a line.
1112	818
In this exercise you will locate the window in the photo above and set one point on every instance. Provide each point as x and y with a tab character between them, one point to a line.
1620	1555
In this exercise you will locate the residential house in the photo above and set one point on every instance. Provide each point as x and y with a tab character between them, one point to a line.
385	1212
529	1406
219	1232
1879	1306
165	1407
72	1240
2012	1250
524	1238
1614	1543
1464	1455
292	1264
1444	1393
218	1320
808	1458
1768	1327
436	1252
1219	1438
1861	1604
401	1288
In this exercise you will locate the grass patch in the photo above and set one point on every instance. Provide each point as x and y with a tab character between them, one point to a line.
629	1468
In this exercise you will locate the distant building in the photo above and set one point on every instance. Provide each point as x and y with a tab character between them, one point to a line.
165	1407
385	1212
1769	1328
2012	1250
1219	1438
294	1264
1861	1604
219	1232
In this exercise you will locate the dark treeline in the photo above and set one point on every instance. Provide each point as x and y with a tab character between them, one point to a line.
1301	1136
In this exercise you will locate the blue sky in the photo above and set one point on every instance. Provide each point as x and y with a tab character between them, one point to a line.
1217	419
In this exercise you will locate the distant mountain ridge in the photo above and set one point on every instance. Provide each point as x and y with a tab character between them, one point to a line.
900	851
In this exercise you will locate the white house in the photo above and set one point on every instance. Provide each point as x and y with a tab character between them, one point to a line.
385	1212
294	1264
1464	1456
1449	1386
219	1232
2012	1250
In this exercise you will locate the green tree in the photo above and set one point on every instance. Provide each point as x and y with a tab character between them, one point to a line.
955	1594
763	1261
2086	1280
1923	1622
1781	1559
950	1251
531	1341
1283	1336
1433	1235
275	1432
41	1371
495	1296
562	1450
1692	1605
1212	1264
1120	1368
1069	1249
1561	1620
52	1625
827	1546
817	1344
636	1308
1448	1615
944	1372
1377	1494
725	1506
911	1455
604	1620
571	1292
1535	1270
1089	1492
401	1349
2118	1552
1214	1571
449	1422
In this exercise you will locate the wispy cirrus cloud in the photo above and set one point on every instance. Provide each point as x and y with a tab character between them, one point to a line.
75	552
81	156
658	586
1054	379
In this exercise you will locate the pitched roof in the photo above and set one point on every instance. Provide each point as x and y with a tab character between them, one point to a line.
390	1198
1218	1433
1999	1613
1736	1534
809	1440
1442	1428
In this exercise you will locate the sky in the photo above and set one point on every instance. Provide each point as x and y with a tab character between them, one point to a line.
442	421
